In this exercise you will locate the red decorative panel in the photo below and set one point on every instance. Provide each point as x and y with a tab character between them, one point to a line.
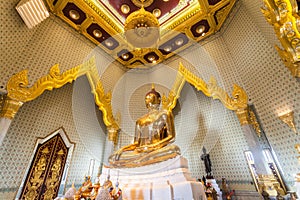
164	6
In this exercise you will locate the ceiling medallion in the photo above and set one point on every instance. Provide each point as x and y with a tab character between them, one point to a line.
125	9
141	29
144	3
74	14
156	12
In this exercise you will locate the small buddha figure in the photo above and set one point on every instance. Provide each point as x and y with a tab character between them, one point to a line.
85	190
116	192
153	134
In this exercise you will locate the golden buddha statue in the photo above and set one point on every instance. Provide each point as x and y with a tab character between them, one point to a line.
153	134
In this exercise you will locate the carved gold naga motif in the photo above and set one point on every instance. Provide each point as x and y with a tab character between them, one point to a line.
18	91
283	16
238	102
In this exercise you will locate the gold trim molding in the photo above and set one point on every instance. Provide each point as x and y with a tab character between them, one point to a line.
18	91
238	102
283	16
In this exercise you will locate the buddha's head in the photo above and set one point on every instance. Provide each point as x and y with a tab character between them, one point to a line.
152	99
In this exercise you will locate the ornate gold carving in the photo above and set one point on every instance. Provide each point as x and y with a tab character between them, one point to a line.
17	86
282	14
145	3
181	19
19	92
220	13
254	123
170	102
113	134
10	108
104	103
36	179
288	118
53	181
105	16
239	99
2	98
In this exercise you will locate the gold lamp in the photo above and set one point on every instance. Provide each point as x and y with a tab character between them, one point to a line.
288	118
141	29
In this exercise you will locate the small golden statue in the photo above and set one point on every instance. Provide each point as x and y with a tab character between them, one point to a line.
85	190
153	134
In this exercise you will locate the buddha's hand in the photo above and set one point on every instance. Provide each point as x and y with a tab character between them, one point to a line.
121	150
118	153
145	148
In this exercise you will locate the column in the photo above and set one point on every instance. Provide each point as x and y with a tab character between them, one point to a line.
266	179
8	108
297	178
111	141
256	150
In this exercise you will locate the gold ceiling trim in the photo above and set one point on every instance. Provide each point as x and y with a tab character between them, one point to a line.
180	19
105	15
283	16
18	90
144	3
182	22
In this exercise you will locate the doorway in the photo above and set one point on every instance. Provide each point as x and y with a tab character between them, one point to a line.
47	172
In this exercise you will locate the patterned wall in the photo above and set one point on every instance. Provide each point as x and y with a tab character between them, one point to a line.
219	129
253	8
39	118
242	53
38	49
268	84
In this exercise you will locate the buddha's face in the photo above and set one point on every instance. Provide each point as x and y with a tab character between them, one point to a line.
152	101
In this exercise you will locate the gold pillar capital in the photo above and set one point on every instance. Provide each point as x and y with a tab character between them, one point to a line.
10	107
2	97
247	116
112	133
243	115
297	146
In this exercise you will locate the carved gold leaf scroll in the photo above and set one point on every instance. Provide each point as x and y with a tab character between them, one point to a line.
283	16
169	102
17	86
238	101
18	90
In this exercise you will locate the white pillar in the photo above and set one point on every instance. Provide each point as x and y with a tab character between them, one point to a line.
109	148
4	125
8	108
256	150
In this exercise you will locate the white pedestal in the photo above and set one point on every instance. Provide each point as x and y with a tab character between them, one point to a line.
297	184
160	181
